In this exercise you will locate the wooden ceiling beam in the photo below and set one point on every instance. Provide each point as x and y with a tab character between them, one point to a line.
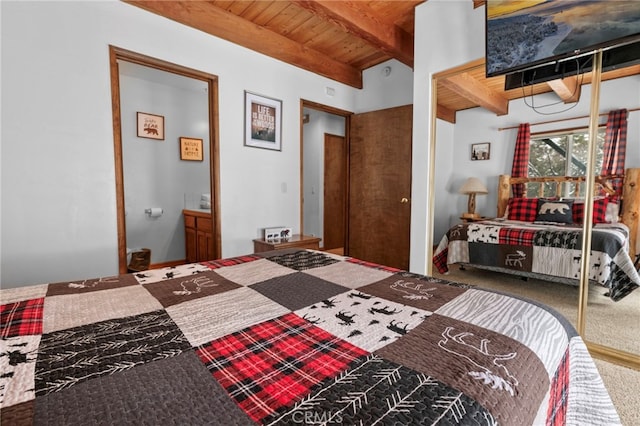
567	89
446	114
467	86
365	24
220	23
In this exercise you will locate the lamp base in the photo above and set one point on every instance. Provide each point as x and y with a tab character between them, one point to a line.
470	215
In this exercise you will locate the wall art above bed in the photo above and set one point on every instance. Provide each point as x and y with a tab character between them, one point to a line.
480	151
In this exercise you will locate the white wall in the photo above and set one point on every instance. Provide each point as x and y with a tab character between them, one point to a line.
58	185
447	33
385	90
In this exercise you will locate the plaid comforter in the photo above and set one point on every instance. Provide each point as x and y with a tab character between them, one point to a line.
289	337
548	250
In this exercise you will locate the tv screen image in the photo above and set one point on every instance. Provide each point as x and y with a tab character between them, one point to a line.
525	34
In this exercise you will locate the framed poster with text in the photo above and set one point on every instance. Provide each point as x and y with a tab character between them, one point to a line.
263	122
191	149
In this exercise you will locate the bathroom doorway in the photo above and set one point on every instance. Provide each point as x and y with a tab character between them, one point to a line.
155	180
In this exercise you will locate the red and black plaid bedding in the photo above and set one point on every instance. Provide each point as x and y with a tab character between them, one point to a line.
542	249
289	337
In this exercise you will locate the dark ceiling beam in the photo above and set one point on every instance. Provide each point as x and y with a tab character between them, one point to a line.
446	114
220	23
365	24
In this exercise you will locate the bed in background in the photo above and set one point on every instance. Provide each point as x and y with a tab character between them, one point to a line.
287	337
541	237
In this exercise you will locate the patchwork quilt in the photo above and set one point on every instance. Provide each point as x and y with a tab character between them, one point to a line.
543	249
289	337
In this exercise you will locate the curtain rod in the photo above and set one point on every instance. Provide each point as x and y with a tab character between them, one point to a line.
561	119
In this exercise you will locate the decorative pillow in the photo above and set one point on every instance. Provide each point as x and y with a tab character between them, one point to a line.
599	210
612	214
554	211
524	209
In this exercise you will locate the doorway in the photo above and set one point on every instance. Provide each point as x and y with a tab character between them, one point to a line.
375	189
174	165
324	174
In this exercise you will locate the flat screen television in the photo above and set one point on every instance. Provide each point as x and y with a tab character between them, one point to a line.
521	35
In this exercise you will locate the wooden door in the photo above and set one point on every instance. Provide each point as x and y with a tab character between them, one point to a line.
380	186
335	190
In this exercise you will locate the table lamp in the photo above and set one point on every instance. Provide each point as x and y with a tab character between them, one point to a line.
472	186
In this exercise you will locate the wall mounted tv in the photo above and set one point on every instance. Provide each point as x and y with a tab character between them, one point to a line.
621	56
525	34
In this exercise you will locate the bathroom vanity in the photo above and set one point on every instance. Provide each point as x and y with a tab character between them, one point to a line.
198	235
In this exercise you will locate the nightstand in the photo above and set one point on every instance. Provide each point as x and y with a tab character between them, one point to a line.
296	241
473	219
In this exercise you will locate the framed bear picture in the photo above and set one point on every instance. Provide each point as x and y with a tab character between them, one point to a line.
150	126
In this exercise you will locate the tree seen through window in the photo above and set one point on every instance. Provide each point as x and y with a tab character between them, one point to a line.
561	154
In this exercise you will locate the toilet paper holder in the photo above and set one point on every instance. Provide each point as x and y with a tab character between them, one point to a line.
154	212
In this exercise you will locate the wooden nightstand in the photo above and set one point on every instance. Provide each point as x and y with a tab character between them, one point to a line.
473	219
296	241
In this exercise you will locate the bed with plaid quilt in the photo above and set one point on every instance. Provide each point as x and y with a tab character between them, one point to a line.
551	252
289	337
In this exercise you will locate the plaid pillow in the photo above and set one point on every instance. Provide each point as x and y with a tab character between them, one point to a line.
599	210
524	209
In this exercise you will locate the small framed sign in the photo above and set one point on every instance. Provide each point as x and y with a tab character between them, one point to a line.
191	149
480	151
150	126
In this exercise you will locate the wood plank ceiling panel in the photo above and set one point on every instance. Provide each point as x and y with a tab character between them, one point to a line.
269	13
235	7
221	23
291	18
257	11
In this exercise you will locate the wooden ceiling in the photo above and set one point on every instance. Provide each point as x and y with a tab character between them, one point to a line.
336	39
340	39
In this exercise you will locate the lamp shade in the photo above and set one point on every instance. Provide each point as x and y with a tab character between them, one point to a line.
473	186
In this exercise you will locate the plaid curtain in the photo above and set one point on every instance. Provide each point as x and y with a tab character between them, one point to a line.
520	166
615	145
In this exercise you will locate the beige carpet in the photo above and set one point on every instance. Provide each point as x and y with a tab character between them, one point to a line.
623	385
608	323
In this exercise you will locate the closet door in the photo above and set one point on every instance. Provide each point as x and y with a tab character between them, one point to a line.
380	186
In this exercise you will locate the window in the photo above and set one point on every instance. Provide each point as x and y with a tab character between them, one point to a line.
561	154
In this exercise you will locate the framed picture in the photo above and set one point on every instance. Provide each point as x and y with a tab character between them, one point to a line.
262	121
150	126
480	151
191	149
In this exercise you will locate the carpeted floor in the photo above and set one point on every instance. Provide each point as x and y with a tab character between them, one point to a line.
623	385
608	323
